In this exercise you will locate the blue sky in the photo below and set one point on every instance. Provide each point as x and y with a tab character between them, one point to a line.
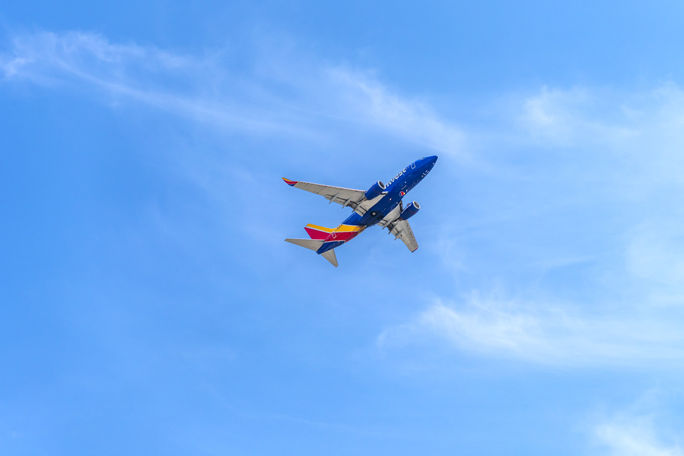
152	307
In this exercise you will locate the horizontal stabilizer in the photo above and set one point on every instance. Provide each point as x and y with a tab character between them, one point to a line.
330	256
311	244
315	244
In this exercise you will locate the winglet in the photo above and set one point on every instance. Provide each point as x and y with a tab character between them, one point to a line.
289	182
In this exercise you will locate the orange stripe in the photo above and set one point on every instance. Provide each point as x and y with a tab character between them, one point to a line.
348	228
319	228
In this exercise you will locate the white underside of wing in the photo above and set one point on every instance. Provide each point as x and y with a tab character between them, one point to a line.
400	228
356	199
340	195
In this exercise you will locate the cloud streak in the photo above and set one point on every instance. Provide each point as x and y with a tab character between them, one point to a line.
635	433
303	98
634	439
541	334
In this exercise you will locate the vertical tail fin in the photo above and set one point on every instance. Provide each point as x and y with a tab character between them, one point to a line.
317	232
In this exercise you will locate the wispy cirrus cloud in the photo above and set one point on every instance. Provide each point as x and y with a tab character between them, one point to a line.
639	130
544	334
179	84
634	437
567	117
642	429
303	98
412	120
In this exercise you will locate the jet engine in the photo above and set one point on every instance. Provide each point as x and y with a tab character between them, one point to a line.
375	190
410	210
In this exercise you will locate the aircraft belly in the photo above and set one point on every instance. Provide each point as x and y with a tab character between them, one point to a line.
379	211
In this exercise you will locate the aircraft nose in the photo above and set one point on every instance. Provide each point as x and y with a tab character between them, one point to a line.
426	163
429	162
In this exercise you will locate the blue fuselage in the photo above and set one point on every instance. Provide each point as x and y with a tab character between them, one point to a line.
395	190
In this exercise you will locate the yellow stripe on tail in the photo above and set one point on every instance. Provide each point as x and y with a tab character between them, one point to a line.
317	232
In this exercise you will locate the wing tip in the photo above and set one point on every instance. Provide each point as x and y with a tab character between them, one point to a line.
289	182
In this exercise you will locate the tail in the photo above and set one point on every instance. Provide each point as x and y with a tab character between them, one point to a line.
317	232
315	244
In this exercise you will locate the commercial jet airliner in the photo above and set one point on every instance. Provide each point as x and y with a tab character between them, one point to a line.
379	205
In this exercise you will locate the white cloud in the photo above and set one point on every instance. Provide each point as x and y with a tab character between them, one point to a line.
566	117
410	119
633	435
163	80
301	98
634	127
544	334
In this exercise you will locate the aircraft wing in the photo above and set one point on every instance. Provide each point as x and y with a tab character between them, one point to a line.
356	199
400	228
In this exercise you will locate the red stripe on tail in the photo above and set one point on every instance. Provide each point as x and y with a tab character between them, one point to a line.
316	234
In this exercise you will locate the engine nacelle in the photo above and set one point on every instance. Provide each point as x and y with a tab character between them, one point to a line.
410	210
375	190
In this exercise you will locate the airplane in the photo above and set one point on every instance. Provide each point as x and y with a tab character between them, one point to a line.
380	205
